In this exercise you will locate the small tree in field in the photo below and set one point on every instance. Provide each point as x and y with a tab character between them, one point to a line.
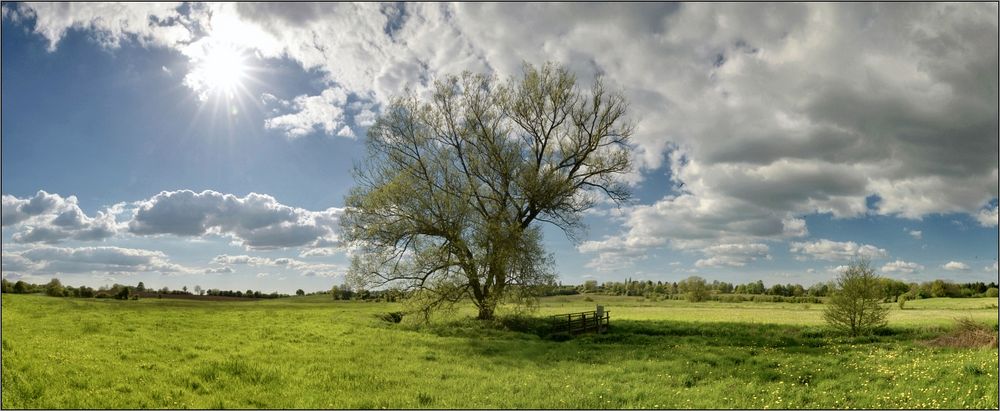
695	288
854	306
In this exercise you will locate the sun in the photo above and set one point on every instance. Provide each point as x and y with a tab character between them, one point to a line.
224	69
221	69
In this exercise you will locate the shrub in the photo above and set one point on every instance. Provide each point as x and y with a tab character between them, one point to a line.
854	307
123	294
992	292
902	301
732	298
392	317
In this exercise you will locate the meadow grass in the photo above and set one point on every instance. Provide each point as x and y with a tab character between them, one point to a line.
310	352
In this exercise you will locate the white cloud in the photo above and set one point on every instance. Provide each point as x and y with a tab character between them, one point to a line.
956	266
987	217
916	234
220	270
303	268
318	252
612	254
900	266
733	255
835	251
257	221
324	113
838	269
109	23
47	259
766	112
51	218
992	268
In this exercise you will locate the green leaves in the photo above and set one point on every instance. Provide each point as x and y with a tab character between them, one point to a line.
856	305
454	185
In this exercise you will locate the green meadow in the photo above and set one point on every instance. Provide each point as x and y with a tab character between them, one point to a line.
311	352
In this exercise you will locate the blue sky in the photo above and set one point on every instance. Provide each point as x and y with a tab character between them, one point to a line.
212	144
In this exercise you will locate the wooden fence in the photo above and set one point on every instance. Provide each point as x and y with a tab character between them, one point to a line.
574	323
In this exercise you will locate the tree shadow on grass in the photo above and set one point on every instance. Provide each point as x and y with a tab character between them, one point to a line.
692	350
656	332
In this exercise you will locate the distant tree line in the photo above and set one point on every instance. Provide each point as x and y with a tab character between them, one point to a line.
698	289
55	288
343	292
215	292
692	288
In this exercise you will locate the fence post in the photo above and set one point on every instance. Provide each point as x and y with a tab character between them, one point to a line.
600	315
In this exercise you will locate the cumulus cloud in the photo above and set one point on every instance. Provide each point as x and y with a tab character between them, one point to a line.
766	112
257	221
835	251
956	266
900	266
916	234
108	23
323	112
319	252
51	218
987	217
613	254
48	259
733	255
838	269
303	268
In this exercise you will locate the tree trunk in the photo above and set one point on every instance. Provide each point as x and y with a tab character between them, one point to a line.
485	313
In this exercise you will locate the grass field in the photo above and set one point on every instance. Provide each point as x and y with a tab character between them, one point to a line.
309	352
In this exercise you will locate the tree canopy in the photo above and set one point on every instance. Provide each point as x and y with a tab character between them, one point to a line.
450	197
855	305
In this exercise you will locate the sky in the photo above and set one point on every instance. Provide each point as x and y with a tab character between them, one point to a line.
212	144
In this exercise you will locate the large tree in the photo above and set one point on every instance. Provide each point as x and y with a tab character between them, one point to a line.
449	200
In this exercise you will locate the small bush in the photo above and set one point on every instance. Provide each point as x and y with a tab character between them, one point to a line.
902	301
393	317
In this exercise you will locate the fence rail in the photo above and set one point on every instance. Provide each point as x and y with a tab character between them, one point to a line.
573	323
